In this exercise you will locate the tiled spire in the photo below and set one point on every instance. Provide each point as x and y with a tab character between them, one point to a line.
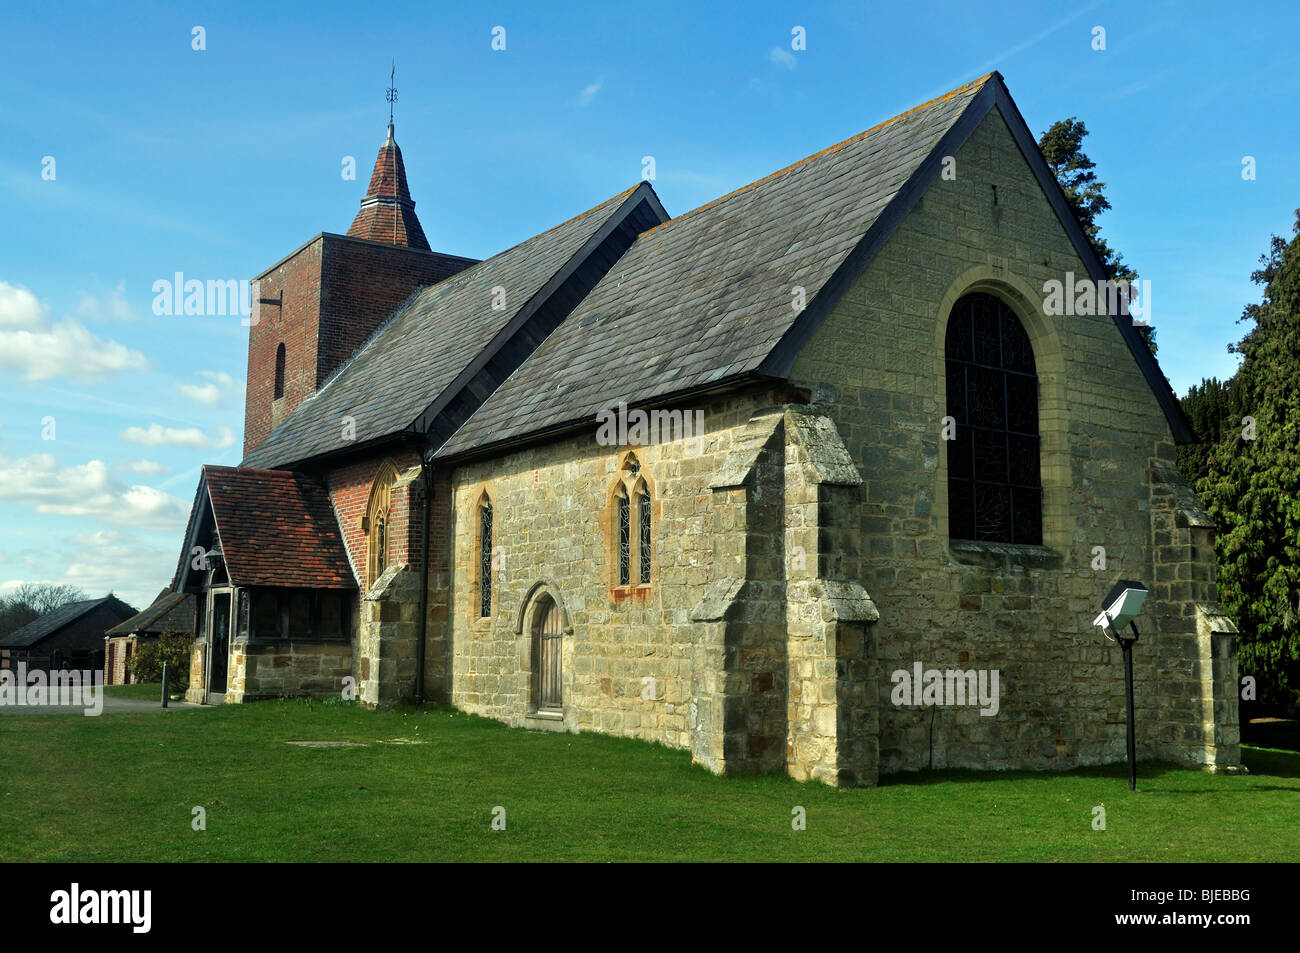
387	212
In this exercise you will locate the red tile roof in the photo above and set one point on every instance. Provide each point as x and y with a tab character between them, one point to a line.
387	211
277	528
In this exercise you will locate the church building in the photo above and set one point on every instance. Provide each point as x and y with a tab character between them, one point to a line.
809	479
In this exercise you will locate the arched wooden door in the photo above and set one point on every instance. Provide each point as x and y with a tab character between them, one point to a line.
548	687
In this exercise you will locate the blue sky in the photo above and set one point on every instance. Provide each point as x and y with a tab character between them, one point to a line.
217	163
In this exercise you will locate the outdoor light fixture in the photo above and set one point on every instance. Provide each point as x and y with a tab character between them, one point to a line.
1122	604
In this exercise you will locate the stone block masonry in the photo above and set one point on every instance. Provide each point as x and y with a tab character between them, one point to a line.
731	651
876	368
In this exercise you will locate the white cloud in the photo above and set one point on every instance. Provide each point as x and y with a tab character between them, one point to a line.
19	308
145	467
113	308
211	394
589	92
41	349
782	57
105	561
87	490
156	435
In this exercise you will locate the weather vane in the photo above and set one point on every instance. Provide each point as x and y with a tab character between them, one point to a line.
391	95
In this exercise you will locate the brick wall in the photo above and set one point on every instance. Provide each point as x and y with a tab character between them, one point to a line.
349	489
363	284
336	291
293	324
116	669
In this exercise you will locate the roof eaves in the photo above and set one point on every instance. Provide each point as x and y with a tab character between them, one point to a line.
191	528
553	431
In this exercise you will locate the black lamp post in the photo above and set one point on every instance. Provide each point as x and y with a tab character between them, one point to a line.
1121	605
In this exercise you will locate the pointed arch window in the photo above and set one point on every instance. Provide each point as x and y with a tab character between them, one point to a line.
643	541
485	557
994	484
378	510
632	526
279	371
624	537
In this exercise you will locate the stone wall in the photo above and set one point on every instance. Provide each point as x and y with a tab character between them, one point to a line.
287	670
876	367
629	653
387	641
750	646
198	656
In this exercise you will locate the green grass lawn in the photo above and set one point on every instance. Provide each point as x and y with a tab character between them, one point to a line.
121	788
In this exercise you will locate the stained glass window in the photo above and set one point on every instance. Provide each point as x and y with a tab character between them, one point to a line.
376	524
643	518
994	487
624	540
485	561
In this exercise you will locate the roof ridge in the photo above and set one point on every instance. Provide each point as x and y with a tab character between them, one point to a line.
220	466
832	148
573	218
419	292
81	605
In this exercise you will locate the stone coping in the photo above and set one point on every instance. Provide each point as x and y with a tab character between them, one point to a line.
1005	556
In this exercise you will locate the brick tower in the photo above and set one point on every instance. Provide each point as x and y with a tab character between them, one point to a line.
320	303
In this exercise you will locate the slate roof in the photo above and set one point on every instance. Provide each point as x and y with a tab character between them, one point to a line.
425	346
707	296
53	622
171	610
277	528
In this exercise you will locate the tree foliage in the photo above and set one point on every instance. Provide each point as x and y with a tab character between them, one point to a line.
171	647
1062	147
1213	408
1252	486
32	600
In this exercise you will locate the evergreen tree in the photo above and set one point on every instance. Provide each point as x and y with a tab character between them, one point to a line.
1252	486
1062	147
1212	408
